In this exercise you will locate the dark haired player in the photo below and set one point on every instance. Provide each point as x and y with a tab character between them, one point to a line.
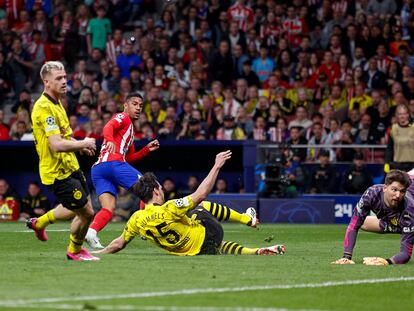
112	168
393	205
188	226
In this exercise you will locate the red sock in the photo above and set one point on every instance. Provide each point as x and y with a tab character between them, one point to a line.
141	205
101	219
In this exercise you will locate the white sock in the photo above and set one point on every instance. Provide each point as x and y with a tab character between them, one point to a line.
91	233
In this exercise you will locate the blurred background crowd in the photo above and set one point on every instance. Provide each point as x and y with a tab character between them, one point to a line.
237	70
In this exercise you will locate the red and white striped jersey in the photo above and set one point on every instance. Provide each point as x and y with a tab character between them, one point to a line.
241	14
120	131
113	49
340	6
383	63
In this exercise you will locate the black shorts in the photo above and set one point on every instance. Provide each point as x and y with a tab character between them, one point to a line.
214	231
72	192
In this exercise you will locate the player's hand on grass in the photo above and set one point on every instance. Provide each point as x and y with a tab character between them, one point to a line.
343	261
375	261
110	146
222	157
153	145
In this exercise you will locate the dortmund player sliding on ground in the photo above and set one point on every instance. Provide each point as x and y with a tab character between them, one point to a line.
188	226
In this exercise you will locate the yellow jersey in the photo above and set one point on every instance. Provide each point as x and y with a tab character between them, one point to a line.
50	118
168	226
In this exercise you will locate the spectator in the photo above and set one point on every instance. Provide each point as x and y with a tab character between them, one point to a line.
292	174
367	134
221	186
335	134
301	119
259	131
82	19
374	78
4	128
24	102
242	15
316	142
115	46
239	58
230	105
361	100
157	115
323	177
357	178
5	76
380	8
35	203
126	205
127	59
168	186
243	121
169	130
249	75
94	62
99	29
229	130
97	130
191	186
192	131
66	32
295	138
221	65
9	201
20	62
18	130
21	125
263	65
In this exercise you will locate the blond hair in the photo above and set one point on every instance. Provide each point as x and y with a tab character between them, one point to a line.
49	66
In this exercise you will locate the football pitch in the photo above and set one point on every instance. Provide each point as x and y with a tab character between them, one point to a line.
37	276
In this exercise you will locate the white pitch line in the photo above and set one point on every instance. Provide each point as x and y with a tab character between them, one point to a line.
194	291
151	308
31	231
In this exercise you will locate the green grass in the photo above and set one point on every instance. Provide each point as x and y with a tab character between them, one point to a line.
31	270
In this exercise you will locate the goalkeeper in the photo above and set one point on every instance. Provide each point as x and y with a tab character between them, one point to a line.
393	205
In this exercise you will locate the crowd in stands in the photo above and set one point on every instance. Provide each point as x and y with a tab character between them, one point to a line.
302	71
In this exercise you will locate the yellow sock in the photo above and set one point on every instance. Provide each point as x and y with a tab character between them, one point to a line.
75	245
223	213
45	220
236	249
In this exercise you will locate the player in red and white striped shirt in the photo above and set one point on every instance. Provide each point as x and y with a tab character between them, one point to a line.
115	46
112	168
241	14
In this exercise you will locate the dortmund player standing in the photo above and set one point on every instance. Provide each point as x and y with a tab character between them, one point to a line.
58	165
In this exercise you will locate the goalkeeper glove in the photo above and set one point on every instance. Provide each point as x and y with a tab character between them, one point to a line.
343	261
386	168
375	261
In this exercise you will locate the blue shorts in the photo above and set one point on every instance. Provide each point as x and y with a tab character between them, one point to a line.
107	176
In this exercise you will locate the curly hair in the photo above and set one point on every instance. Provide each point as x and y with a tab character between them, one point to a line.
144	187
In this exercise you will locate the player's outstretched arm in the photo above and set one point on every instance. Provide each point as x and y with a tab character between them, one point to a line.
59	144
133	156
115	246
207	184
